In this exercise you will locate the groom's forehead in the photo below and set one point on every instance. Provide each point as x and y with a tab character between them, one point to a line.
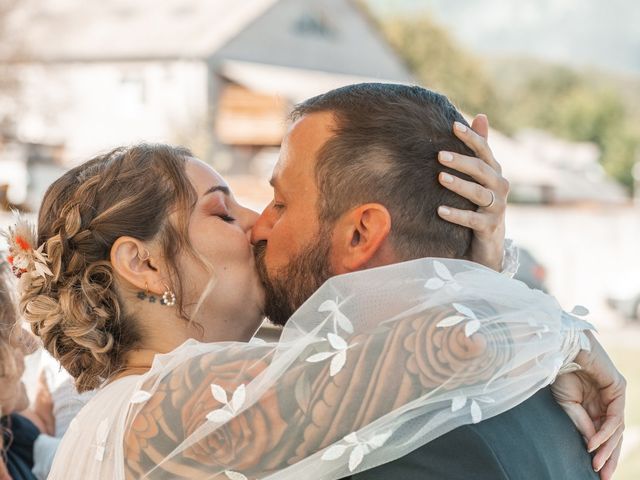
301	146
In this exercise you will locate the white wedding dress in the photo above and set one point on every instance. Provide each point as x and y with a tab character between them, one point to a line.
374	365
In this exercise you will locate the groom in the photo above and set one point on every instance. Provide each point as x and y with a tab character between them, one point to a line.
358	186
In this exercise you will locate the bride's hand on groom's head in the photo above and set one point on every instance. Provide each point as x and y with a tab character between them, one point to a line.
489	192
594	399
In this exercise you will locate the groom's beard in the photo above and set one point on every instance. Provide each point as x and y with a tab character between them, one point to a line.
292	285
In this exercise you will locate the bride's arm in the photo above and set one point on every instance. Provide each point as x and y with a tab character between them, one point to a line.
307	408
595	396
259	409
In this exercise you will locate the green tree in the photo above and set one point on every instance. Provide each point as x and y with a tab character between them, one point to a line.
519	93
439	63
580	107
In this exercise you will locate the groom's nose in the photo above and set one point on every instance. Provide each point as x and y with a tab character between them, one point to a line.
262	228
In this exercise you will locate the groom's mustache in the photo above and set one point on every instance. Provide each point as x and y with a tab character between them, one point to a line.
259	252
289	286
276	306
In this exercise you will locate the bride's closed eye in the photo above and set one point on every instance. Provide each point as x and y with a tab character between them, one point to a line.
217	208
226	218
224	215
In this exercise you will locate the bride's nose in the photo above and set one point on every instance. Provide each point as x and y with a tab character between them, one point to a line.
248	219
263	226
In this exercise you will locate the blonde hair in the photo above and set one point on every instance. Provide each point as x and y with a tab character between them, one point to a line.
8	322
77	312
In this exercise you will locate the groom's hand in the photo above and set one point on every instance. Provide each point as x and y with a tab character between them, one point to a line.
594	399
489	193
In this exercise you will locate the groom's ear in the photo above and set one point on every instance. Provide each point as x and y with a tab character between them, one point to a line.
360	239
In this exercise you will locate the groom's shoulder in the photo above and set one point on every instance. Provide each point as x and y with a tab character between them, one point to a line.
533	440
536	439
459	455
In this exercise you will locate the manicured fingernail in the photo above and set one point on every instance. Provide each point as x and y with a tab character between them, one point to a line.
459	126
444	211
446	157
446	178
598	466
593	447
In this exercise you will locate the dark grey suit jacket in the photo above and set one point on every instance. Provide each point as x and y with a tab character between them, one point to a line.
533	441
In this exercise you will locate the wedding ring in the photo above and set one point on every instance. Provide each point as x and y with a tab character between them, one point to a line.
493	200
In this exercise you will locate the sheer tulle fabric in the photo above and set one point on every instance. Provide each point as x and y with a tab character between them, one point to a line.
374	365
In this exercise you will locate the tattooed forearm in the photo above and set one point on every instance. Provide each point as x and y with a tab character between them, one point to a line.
308	408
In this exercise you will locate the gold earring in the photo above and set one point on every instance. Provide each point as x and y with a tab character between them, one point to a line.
168	297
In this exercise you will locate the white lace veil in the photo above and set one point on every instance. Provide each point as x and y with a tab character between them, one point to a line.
374	365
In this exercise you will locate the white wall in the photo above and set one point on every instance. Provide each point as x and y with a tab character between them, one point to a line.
13	172
93	107
589	253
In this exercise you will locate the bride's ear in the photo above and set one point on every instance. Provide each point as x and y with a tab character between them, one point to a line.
133	262
360	237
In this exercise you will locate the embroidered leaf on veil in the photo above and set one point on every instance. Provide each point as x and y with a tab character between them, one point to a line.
379	440
356	457
339	354
337	363
234	475
318	357
360	448
580	311
450	321
219	394
239	397
444	277
351	438
466	311
434	283
472	327
458	402
334	452
339	318
441	270
219	416
344	322
230	410
328	306
140	397
337	342
476	412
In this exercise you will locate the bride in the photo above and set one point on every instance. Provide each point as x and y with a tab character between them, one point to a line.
142	283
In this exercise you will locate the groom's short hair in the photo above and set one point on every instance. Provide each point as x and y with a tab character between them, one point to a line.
385	147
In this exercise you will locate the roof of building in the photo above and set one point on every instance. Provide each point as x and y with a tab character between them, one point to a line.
90	30
294	84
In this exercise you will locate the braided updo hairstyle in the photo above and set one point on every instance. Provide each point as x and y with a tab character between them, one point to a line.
78	312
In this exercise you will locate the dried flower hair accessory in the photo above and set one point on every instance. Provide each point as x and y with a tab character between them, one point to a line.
23	256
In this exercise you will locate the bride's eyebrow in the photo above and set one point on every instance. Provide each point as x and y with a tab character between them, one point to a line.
217	188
